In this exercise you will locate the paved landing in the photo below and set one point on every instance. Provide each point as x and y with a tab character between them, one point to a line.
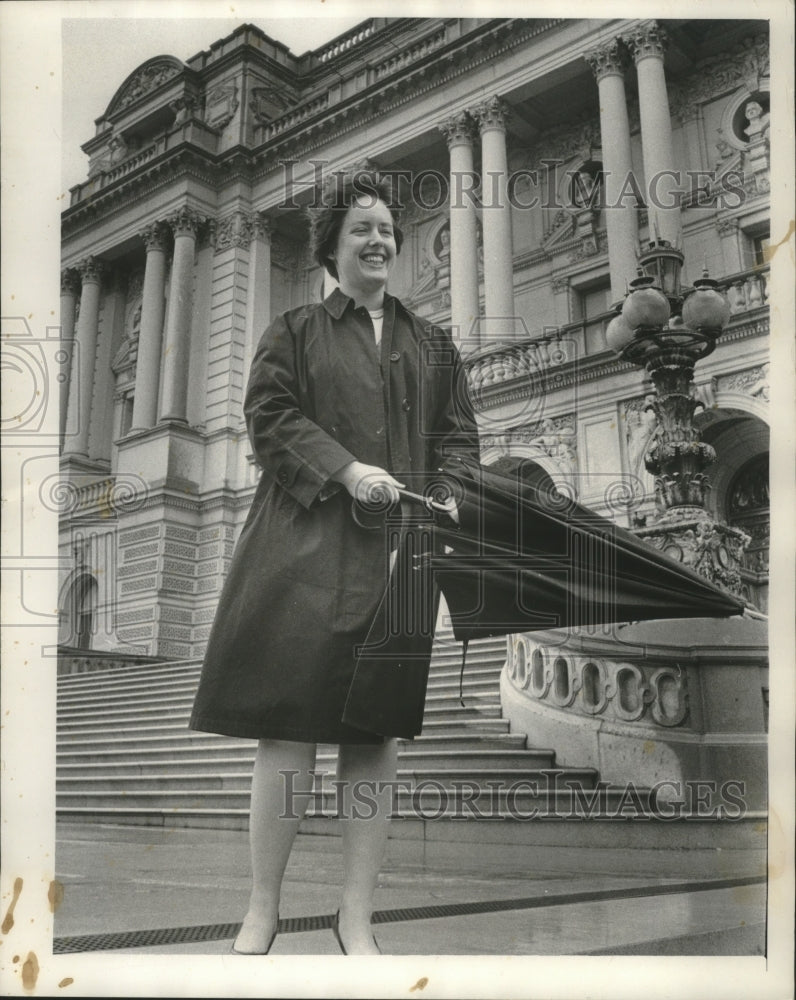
148	890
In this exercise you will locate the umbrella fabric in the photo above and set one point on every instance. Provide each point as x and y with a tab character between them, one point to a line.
523	560
518	560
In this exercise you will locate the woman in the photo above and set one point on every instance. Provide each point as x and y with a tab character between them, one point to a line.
348	401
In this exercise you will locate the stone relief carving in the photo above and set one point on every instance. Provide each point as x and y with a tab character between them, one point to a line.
221	104
641	426
147	79
746	64
596	685
234	230
553	437
269	102
753	381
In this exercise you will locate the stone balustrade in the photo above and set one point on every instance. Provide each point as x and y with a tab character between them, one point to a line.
345	42
136	160
748	290
409	55
653	703
295	116
108	496
598	686
504	363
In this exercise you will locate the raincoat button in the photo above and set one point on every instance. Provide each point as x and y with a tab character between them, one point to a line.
405	405
395	356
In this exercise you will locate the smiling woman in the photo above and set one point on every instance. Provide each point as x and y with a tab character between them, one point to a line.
344	407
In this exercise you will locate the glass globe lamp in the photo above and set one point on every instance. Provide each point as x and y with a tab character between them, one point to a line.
705	308
646	307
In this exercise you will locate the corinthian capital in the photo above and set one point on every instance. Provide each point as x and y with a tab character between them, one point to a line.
491	114
91	269
155	236
70	281
185	222
458	129
610	59
648	39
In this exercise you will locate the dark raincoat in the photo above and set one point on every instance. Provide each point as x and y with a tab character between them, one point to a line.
310	567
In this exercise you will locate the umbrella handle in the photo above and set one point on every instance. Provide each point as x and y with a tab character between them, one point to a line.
427	502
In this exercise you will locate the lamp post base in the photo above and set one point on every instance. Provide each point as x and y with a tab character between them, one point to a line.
689	535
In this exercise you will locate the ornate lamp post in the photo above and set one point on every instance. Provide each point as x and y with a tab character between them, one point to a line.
666	332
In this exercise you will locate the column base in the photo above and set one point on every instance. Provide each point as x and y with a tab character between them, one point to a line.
172	453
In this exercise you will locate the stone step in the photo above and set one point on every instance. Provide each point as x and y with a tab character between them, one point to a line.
238	756
146	705
237	773
602	829
183	688
445	706
216	747
573	796
176	720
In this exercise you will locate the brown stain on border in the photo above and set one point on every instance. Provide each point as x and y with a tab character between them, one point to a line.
55	894
419	985
8	919
65	982
30	971
773	247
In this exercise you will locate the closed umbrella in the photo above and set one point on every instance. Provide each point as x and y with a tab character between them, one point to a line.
518	559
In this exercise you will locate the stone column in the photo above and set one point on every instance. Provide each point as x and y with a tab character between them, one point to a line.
496	222
459	134
648	43
70	288
184	225
150	339
258	292
81	382
608	63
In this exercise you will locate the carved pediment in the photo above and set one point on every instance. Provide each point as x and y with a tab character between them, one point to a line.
145	80
561	231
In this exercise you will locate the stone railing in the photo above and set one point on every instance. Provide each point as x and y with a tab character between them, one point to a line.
293	117
409	55
345	42
525	360
647	703
193	131
135	161
108	497
747	290
531	359
594	685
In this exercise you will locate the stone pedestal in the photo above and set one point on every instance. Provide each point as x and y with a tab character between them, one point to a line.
676	706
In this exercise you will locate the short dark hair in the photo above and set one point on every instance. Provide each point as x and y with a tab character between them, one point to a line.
340	192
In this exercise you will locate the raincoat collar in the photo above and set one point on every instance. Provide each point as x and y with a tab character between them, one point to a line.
336	302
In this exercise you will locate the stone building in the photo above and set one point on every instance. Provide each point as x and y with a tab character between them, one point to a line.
585	141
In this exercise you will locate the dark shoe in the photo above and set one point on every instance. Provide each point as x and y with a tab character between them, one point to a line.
235	951
336	932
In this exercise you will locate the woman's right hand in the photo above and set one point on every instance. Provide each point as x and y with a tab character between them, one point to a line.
369	484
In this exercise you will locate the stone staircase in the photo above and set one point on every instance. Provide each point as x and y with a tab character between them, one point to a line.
125	754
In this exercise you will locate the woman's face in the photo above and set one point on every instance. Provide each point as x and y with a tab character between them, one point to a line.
365	251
